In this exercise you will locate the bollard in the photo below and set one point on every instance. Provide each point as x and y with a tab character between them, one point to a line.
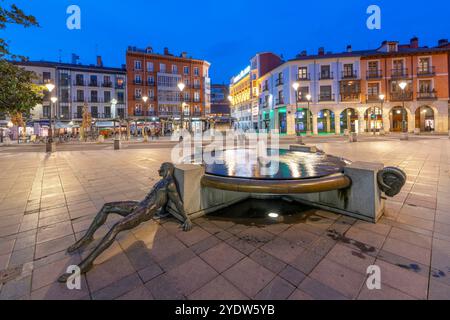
353	137
116	144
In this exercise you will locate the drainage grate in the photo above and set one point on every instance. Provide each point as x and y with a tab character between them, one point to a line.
10	274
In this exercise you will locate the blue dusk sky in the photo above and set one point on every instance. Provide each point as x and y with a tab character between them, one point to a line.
225	33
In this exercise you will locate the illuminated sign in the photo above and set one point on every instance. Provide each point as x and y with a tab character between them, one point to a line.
242	74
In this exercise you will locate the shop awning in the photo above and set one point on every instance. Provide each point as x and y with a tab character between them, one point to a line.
105	124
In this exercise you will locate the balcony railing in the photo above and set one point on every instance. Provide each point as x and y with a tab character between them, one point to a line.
350	97
144	113
373	98
265	88
78	115
80	83
427	95
304	77
374	74
326	76
326	97
93	84
280	101
279	82
400	96
349	74
79	99
429	71
139	83
107	84
120	86
399	73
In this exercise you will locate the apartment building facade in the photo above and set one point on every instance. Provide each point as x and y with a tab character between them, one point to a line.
154	94
76	86
244	90
220	106
343	91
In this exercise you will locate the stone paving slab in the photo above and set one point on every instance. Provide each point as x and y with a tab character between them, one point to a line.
48	201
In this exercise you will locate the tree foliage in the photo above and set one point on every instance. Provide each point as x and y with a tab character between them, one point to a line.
13	15
18	93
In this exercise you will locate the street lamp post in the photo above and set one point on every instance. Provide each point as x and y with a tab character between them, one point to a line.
382	97
296	86
116	137
404	136
50	145
308	120
144	132
181	87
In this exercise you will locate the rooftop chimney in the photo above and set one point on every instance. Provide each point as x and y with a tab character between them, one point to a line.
443	42
166	51
414	43
184	54
321	51
304	53
149	50
349	48
99	61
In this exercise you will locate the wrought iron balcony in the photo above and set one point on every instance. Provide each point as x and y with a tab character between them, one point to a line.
326	75
400	96
279	82
374	74
93	84
304	77
427	95
326	97
80	83
373	98
399	73
429	71
351	96
349	74
107	84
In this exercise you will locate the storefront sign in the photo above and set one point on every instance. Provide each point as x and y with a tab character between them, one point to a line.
241	75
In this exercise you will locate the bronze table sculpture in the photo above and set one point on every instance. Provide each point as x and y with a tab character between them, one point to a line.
134	213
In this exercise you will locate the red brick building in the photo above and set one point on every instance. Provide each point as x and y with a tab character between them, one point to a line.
154	94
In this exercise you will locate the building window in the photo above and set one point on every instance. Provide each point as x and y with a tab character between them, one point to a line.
196	96
79	80
93	81
150	66
46	111
120	97
186	70
162	67
196	71
373	90
302	73
425	86
348	70
398	67
137	79
325	93
137	64
107	96
94	96
151	80
325	72
174	69
424	65
107	112
80	96
94	112
138	93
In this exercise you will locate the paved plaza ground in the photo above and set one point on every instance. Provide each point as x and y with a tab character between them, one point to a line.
48	201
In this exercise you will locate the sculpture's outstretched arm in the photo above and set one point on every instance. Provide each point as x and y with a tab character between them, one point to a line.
175	198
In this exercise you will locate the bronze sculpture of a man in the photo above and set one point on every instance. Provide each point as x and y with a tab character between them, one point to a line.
134	213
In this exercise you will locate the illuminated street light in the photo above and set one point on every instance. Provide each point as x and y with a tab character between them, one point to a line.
382	97
50	87
403	86
308	120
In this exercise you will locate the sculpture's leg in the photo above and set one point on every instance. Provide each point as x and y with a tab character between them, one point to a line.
123	208
128	223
